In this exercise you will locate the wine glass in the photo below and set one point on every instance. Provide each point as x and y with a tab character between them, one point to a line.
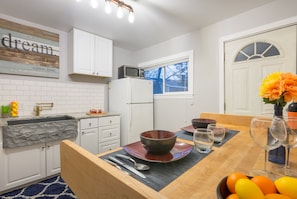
288	141
260	132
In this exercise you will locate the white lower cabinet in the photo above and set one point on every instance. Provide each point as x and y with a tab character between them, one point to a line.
107	146
53	163
100	134
22	165
109	133
26	164
89	134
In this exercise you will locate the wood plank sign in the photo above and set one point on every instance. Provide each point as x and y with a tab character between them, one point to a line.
26	50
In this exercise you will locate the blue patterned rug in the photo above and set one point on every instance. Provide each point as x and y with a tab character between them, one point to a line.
53	188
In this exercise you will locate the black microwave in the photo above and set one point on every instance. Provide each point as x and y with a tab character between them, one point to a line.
130	71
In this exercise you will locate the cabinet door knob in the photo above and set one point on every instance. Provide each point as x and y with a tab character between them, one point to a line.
83	132
110	133
110	121
90	124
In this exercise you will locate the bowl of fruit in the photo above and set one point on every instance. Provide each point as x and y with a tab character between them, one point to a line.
237	185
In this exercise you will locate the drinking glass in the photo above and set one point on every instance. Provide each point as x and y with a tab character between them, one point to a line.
289	140
203	140
219	132
260	132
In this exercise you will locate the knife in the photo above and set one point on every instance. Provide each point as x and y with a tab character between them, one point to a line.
126	166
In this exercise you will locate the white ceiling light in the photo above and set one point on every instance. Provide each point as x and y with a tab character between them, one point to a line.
120	12
107	7
94	3
131	17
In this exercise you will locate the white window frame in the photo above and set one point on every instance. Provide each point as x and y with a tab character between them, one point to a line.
167	60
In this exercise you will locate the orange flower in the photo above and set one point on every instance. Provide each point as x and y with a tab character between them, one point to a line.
279	88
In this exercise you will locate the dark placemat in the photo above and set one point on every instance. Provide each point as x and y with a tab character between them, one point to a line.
161	174
189	136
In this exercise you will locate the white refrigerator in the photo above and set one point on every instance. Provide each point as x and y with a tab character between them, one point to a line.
133	99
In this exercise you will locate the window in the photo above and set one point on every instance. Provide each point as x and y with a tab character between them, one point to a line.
171	75
256	50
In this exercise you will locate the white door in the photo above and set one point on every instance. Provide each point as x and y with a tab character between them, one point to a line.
22	165
83	52
248	61
53	163
103	56
89	140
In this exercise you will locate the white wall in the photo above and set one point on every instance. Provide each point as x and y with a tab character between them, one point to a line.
175	113
74	93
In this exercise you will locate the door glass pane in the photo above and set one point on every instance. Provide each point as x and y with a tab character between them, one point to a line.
249	49
240	57
261	47
273	51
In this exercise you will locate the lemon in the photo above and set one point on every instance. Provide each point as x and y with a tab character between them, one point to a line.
247	189
287	186
276	196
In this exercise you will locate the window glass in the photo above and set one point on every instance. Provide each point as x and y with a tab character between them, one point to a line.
257	50
155	74
172	76
176	77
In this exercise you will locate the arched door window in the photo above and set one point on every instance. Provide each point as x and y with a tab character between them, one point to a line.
256	50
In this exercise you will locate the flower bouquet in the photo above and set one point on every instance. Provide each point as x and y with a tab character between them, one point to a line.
279	88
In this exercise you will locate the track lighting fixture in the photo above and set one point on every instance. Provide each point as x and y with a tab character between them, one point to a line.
120	5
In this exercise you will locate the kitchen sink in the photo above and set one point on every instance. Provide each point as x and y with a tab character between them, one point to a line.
39	119
29	131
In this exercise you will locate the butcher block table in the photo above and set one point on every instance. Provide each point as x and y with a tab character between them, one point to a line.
240	154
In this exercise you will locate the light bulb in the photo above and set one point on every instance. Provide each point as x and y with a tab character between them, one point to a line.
131	17
107	7
120	12
94	3
78	0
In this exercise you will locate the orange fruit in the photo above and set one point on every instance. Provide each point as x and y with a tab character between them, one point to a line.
232	196
266	185
232	179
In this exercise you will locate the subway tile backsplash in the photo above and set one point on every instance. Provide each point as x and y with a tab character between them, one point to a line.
67	97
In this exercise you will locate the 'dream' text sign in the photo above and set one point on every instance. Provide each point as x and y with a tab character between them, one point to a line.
26	50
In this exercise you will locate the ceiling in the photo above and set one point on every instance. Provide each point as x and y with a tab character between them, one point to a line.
155	20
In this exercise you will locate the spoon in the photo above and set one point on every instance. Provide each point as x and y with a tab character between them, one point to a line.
115	165
138	166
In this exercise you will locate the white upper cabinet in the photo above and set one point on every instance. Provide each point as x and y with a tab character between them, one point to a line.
89	54
103	58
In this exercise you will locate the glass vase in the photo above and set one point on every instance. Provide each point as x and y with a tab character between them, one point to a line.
277	155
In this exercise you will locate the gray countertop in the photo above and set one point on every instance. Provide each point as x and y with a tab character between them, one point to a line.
79	116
